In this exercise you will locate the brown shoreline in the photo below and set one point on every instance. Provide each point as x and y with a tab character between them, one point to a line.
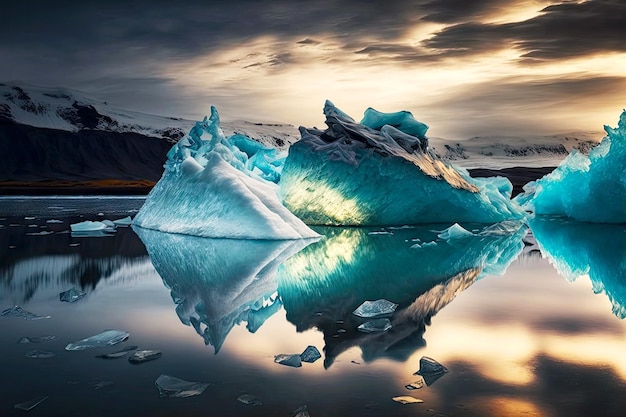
519	176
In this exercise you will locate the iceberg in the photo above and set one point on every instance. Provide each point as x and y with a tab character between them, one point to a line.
381	172
293	360
373	309
585	188
211	188
142	356
310	354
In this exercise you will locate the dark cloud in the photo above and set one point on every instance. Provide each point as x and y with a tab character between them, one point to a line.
454	11
567	30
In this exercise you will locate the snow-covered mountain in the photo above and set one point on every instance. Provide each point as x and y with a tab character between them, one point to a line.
499	152
56	137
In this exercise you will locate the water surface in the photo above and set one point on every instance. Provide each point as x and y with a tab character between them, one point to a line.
527	323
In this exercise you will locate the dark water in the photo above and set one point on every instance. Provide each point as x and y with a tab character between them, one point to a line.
527	323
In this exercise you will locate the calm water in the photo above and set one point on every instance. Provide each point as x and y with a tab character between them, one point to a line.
526	323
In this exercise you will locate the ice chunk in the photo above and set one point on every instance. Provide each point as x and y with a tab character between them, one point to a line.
415	384
172	387
378	308
42	233
71	295
106	338
118	354
42	339
249	399
430	370
39	354
302	411
126	221
407	399
54	221
351	174
102	384
18	311
29	405
310	354
289	360
378	325
142	356
208	189
87	226
108	223
586	188
456	231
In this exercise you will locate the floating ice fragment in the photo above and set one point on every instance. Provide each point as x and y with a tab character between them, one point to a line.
378	325
249	399
429	244
18	311
382	232
102	384
71	295
117	354
87	226
29	218
41	339
42	233
29	405
310	354
288	360
378	308
142	356
172	387
407	399
415	384
54	221
416	246
106	338
108	223
39	354
302	411
430	370
126	221
456	231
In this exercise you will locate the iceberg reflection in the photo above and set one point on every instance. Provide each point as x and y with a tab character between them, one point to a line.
596	250
218	283
324	283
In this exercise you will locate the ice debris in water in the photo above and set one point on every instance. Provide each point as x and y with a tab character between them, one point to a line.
378	308
249	399
126	221
310	354
18	311
430	370
288	360
106	338
41	339
172	387
378	172
407	399
142	356
586	188
87	226
102	384
378	325
29	405
118	354
220	187
54	221
456	231
71	295
39	354
415	384
302	411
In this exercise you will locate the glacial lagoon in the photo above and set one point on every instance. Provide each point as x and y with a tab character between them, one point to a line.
527	322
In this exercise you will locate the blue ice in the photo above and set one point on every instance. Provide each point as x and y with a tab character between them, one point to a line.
586	188
380	172
212	188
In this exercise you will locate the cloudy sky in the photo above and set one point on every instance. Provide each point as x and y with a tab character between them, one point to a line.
464	67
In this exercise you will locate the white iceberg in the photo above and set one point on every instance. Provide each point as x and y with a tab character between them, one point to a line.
88	226
211	188
380	172
585	188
